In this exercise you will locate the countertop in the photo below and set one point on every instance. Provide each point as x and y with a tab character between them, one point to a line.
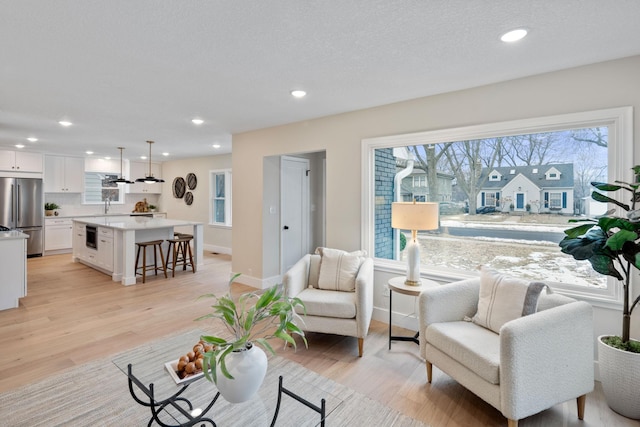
102	215
134	223
13	235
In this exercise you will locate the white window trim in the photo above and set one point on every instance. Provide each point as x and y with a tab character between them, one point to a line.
228	197
620	161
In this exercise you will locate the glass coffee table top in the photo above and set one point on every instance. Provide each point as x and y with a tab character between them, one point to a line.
150	364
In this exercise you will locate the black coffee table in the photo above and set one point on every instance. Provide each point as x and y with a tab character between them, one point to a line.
282	400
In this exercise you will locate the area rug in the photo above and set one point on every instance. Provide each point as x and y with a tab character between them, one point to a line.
96	394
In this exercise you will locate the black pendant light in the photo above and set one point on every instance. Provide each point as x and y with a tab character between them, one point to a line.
122	179
149	179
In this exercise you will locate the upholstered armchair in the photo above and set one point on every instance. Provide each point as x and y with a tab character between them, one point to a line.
526	365
336	288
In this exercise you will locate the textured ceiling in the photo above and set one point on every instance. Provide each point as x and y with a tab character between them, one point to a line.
127	71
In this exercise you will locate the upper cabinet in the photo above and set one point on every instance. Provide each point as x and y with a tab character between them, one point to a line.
63	174
141	170
20	161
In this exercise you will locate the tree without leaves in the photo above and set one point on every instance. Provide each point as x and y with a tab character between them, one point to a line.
428	163
466	158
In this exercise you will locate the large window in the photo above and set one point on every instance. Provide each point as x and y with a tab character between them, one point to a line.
220	211
517	183
98	189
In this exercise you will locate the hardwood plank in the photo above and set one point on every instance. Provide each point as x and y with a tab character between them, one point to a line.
74	314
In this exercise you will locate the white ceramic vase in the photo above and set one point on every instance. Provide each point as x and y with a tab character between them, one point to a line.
620	378
248	368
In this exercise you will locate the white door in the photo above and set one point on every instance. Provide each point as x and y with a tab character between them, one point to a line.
294	217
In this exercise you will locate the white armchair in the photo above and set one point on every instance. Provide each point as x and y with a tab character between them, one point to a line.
332	311
534	363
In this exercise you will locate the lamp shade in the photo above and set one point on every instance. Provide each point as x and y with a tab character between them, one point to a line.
414	216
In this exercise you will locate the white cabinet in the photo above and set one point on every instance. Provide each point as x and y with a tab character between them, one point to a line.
20	161
13	264
79	241
101	257
63	174
141	170
105	249
58	234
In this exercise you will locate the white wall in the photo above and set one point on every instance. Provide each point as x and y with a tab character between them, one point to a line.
216	239
599	86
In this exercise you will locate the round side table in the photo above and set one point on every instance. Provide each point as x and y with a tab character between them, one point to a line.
397	284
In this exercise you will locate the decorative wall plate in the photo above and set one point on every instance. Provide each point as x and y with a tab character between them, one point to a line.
188	198
179	187
192	181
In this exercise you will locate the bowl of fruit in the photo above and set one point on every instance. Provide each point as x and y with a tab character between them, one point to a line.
189	366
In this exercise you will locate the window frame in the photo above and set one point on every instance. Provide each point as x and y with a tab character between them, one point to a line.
119	187
227	198
620	161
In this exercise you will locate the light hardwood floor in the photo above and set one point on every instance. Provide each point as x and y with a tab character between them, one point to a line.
74	314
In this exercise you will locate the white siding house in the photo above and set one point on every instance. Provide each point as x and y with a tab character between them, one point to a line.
539	189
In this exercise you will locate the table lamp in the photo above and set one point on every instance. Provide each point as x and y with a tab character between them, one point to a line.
414	216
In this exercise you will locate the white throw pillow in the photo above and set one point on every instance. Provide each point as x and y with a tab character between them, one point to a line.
338	270
320	251
504	298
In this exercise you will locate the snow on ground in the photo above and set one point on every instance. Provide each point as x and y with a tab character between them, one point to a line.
533	260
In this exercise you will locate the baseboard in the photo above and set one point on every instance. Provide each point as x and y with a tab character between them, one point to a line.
217	249
407	321
257	283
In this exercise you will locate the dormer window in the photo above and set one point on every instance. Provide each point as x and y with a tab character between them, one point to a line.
535	170
512	172
553	174
495	176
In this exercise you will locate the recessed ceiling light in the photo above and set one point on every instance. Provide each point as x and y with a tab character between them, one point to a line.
165	154
197	121
19	146
32	139
298	93
143	157
216	146
89	152
65	123
514	35
107	158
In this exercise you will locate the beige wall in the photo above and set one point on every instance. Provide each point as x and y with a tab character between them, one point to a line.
593	87
599	86
215	238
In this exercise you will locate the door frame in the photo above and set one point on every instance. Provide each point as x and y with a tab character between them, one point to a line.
306	208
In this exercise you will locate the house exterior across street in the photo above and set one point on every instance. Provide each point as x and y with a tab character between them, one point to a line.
538	189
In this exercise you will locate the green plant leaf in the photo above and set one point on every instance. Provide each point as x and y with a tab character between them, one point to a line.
617	240
213	340
631	253
579	230
603	186
222	360
582	248
599	197
265	344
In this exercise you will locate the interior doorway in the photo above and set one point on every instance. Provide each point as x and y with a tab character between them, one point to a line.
294	211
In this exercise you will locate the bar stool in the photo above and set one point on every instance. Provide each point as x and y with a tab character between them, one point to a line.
157	247
180	251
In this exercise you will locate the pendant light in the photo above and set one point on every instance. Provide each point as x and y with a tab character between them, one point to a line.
149	179
122	179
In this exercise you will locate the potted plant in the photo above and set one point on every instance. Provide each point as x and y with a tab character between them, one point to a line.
49	208
251	322
152	208
612	245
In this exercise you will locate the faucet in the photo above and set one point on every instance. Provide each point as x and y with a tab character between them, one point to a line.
107	205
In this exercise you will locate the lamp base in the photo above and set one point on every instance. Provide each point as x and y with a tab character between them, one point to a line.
412	282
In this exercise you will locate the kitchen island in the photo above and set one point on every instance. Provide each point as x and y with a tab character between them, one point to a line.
13	264
109	244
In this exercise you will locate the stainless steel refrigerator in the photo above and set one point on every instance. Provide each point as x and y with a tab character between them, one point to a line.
21	208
